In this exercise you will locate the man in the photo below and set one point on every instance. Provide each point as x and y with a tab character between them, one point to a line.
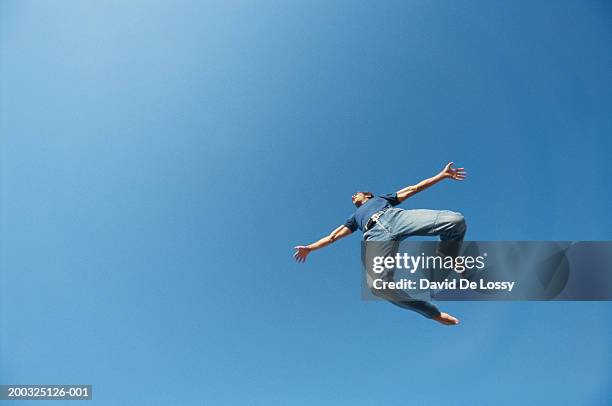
379	220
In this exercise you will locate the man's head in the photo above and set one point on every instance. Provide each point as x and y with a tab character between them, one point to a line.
360	198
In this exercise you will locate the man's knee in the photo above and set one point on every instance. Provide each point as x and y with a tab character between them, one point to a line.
459	221
380	292
456	221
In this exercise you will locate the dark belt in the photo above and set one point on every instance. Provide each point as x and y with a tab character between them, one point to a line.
372	221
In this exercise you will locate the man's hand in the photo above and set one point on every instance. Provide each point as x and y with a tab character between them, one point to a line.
452	173
447	172
301	252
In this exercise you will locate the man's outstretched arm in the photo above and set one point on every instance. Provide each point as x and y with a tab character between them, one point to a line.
447	172
302	251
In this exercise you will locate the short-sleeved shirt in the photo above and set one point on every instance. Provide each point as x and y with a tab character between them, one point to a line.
360	218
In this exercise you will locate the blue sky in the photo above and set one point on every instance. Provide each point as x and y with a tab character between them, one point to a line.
159	160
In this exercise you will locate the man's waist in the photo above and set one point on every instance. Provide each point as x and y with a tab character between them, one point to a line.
374	219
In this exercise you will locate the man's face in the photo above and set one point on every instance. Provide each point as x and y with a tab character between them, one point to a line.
358	198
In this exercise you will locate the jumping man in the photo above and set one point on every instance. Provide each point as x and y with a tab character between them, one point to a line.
379	220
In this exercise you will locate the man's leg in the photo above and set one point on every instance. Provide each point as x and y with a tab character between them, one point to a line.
381	246
448	225
397	297
402	299
380	242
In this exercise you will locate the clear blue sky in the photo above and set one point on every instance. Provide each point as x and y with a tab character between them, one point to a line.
159	160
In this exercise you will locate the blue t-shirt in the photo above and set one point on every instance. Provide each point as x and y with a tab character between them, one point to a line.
360	218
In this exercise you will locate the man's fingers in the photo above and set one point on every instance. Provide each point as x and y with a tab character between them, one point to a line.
300	253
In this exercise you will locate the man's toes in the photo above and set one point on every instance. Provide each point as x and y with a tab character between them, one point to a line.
447	319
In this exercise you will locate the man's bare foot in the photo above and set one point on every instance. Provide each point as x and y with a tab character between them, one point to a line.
447	319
